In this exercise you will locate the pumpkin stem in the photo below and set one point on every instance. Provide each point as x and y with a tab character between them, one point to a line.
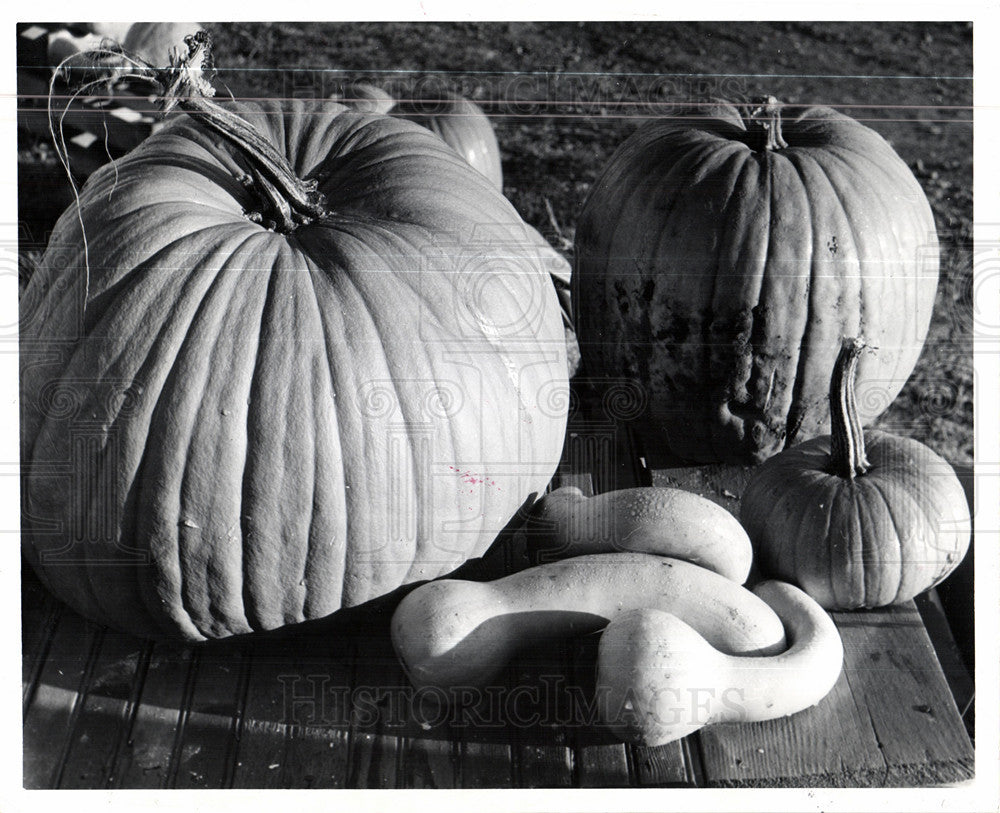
766	114
287	201
847	455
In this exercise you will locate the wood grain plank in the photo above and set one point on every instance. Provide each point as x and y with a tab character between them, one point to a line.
429	762
890	662
317	757
428	754
373	756
107	702
317	691
591	448
145	757
39	615
722	484
291	700
600	760
211	719
49	722
377	715
890	720
829	745
260	754
957	593
540	716
264	730
953	665
485	764
543	766
661	766
484	752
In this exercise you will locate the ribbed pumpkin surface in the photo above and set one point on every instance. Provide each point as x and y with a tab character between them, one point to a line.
879	539
230	429
722	276
462	125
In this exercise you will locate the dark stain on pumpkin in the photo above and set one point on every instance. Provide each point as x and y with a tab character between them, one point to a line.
622	296
675	330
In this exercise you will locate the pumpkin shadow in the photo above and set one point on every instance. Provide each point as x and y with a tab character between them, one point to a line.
370	620
334	683
543	698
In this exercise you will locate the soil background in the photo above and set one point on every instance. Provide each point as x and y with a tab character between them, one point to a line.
562	96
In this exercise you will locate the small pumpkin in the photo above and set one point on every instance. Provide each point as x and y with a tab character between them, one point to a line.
462	125
284	358
723	253
857	518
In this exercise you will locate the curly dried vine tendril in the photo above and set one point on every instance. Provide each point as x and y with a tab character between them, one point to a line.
288	201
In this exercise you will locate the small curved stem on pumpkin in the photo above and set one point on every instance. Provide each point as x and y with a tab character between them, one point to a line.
766	114
847	454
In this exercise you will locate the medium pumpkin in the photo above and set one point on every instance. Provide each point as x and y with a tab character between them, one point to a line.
723	253
229	427
857	519
151	42
459	122
462	125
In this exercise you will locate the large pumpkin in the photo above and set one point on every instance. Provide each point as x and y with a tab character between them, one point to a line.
231	428
724	253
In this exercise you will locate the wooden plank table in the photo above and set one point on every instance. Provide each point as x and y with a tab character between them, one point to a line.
328	706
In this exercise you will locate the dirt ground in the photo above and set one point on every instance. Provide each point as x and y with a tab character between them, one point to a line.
562	96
